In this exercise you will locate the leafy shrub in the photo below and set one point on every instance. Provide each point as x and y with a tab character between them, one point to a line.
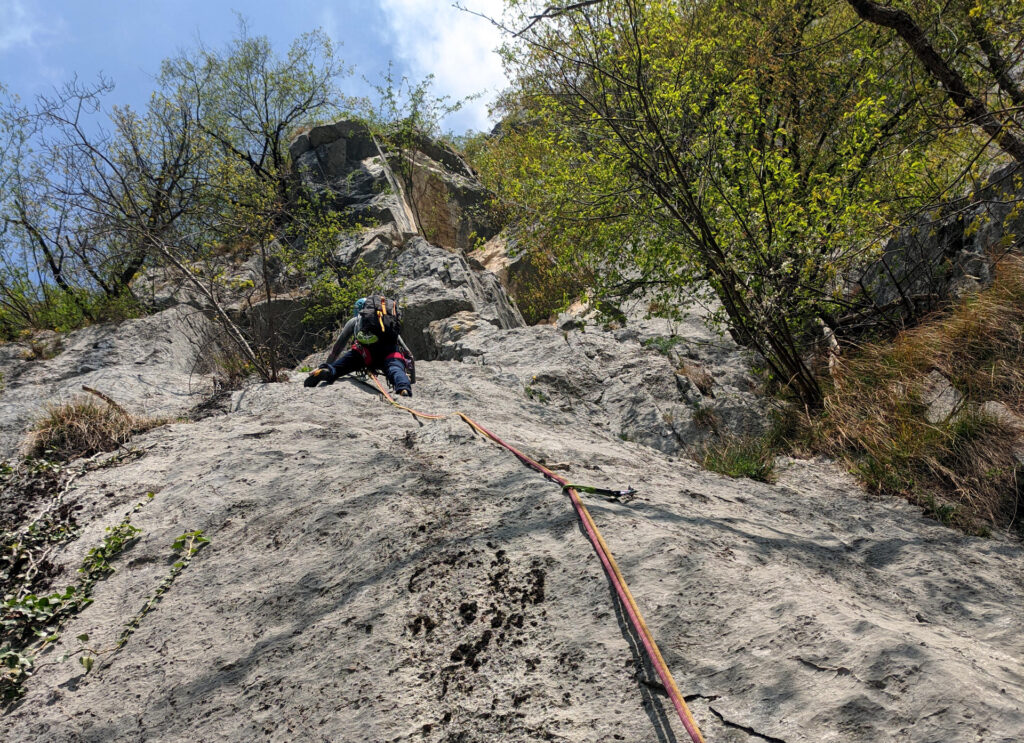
551	286
28	306
31	621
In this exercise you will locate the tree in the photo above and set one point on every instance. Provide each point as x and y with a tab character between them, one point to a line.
250	102
83	207
187	185
662	146
1004	126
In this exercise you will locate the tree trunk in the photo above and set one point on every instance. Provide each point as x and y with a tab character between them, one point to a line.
974	109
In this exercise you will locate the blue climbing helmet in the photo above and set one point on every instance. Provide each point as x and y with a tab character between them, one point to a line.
360	303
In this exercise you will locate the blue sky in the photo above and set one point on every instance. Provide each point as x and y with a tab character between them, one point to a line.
44	42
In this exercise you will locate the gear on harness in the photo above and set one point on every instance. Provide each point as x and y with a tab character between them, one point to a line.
365	338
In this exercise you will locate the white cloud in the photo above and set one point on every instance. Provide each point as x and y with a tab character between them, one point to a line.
328	20
457	47
18	28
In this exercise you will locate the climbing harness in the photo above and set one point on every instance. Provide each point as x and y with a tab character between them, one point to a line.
600	546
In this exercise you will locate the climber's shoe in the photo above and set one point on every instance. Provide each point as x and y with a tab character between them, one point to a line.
323	374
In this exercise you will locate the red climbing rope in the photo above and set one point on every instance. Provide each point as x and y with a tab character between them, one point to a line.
603	553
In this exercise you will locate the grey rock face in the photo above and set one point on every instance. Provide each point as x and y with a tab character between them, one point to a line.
712	373
432	284
341	162
451	207
501	256
436	277
278	323
159	365
373	578
947	255
619	384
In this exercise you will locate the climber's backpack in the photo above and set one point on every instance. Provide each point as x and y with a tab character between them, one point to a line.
380	321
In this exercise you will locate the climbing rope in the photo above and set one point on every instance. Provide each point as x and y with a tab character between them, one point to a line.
603	552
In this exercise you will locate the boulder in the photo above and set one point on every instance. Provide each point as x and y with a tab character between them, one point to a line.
940	398
1002	413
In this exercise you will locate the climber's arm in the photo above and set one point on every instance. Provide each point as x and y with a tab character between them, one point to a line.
343	341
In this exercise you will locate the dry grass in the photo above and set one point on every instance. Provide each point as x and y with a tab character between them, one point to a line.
699	377
83	427
962	470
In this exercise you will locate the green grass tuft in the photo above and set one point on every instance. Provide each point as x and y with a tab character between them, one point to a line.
741	456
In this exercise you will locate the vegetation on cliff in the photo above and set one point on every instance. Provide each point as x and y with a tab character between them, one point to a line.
765	152
758	158
94	196
765	156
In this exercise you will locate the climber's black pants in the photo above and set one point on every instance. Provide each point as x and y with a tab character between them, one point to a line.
394	368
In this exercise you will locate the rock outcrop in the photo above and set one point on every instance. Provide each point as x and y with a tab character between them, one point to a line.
440	198
373	578
341	163
949	253
433	284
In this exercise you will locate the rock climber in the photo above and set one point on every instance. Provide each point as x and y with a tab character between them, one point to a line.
376	343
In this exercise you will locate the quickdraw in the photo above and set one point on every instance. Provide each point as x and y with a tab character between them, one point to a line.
622	496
